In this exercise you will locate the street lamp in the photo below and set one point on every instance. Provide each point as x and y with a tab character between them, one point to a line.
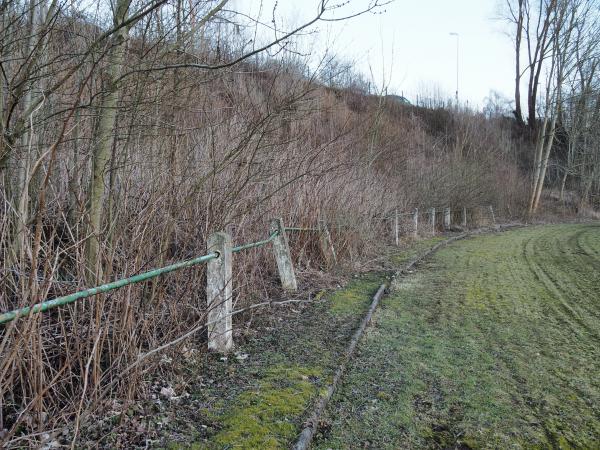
457	37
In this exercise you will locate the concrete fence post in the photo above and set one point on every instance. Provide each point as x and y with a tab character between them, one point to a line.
281	249
432	219
326	243
464	217
396	226
416	222
493	215
447	221
476	216
219	293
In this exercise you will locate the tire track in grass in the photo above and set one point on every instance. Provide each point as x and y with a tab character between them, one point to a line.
545	276
565	272
590	280
548	277
494	338
565	318
560	275
587	245
567	380
478	351
567	306
570	272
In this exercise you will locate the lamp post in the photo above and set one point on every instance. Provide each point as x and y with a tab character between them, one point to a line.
457	38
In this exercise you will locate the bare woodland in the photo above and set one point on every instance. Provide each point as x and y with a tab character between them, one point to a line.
131	130
555	52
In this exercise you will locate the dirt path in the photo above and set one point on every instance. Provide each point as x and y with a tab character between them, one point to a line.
494	343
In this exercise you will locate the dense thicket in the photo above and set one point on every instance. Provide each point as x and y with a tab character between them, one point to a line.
130	136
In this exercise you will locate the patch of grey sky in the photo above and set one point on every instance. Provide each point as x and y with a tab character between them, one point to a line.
406	45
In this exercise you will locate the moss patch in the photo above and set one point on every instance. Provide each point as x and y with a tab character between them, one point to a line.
356	297
266	417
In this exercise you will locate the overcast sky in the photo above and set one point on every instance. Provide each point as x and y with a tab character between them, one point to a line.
411	43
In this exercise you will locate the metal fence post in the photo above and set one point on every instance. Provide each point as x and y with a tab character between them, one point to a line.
219	294
432	219
326	243
281	249
416	222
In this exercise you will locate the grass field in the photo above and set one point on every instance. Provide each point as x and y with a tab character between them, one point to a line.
494	343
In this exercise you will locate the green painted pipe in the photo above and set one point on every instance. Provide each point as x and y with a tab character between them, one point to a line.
46	305
255	244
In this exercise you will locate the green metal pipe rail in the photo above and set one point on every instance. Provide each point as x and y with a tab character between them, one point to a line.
255	244
59	301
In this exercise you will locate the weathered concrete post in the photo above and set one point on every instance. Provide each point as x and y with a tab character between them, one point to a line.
493	215
416	222
219	293
396	230
281	248
446	218
432	219
464	217
476	216
326	243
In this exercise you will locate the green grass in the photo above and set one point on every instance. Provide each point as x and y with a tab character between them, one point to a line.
416	248
495	343
355	299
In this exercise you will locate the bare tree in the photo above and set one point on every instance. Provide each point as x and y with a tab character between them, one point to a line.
579	105
549	29
534	23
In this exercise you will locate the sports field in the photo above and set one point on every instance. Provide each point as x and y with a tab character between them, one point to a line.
494	343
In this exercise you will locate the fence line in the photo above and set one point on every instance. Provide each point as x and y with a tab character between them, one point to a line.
65	300
219	270
59	301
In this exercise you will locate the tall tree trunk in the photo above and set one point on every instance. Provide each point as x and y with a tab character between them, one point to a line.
518	37
537	163
26	156
563	183
583	201
544	163
73	185
537	59
104	139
